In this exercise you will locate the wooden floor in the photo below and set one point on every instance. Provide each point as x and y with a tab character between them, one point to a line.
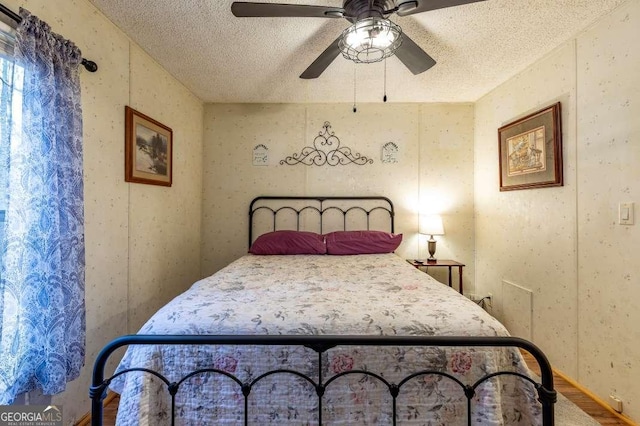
586	404
601	415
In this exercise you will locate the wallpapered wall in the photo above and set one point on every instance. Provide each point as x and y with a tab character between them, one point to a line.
434	172
564	243
142	241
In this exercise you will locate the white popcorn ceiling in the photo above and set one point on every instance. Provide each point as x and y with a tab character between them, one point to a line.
225	59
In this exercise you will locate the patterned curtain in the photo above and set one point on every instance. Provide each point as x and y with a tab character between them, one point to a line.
42	315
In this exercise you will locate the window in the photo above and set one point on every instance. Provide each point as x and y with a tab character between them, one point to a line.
10	112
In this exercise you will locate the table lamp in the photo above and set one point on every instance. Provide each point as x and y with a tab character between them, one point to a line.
431	225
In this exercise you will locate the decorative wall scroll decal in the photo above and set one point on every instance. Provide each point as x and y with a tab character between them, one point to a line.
260	155
389	153
326	149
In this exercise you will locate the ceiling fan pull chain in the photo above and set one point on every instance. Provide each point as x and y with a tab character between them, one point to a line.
384	99
354	87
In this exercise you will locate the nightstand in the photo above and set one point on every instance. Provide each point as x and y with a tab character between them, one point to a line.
440	263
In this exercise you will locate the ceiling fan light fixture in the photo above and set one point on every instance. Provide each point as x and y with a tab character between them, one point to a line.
370	40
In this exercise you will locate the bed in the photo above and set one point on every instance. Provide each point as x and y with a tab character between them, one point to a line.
339	339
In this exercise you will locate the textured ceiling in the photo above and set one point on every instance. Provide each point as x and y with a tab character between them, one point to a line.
221	58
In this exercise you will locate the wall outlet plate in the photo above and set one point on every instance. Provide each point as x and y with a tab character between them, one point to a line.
615	403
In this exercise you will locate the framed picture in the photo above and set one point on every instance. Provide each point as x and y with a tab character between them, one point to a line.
530	151
148	150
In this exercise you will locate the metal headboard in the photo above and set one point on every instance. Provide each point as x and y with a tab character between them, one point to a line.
318	207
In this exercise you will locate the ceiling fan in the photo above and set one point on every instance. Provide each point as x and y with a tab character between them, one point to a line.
371	37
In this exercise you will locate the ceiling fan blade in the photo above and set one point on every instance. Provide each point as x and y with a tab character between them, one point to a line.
245	10
323	61
427	5
413	57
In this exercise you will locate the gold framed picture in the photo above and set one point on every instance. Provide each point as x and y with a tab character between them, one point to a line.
148	150
530	151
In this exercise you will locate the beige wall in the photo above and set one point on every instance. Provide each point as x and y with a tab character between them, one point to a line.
434	169
608	173
563	244
142	241
528	237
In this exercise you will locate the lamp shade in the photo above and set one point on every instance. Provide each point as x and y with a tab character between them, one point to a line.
431	225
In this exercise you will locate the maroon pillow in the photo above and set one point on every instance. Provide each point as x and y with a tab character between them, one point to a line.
362	242
289	242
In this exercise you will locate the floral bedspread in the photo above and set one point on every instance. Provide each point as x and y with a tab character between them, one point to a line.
330	295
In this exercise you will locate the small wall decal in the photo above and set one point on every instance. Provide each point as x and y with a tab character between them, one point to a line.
389	153
326	149
260	155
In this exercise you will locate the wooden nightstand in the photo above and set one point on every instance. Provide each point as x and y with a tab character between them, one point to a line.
439	263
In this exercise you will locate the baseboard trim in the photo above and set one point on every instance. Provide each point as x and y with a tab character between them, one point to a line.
86	419
595	398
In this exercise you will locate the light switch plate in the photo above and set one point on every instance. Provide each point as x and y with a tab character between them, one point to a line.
625	213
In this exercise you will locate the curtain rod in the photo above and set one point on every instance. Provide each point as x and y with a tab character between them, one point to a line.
89	65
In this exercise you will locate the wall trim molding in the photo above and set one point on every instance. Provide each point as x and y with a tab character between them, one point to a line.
594	397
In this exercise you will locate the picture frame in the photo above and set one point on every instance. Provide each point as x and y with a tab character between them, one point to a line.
148	150
530	151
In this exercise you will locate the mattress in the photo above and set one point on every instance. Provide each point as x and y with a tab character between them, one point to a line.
377	294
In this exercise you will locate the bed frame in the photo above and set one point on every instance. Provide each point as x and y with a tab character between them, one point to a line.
321	214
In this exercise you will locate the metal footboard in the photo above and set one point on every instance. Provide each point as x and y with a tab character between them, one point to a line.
546	393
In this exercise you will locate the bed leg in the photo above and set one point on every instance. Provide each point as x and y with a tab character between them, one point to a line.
548	399
97	395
